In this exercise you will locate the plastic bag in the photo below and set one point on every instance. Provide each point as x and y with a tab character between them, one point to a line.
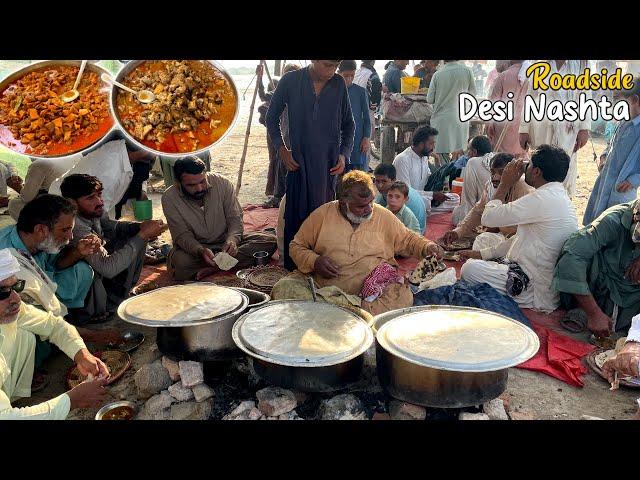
442	279
110	163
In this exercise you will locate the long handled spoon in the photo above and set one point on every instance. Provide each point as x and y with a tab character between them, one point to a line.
143	96
71	95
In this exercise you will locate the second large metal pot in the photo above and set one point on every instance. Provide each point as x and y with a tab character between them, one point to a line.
440	356
306	346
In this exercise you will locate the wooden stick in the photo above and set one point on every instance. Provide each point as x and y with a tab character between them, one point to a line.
266	69
246	139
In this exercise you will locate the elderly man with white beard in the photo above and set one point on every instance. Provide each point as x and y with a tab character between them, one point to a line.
350	242
19	326
43	233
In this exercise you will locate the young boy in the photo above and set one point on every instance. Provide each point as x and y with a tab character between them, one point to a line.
397	197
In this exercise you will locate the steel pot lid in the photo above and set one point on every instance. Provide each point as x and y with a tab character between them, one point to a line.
458	339
182	305
302	334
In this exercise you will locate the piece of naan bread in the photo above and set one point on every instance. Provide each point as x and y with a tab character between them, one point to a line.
225	261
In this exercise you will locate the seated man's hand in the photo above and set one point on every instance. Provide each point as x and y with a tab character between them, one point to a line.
447	238
625	362
512	172
151	229
230	247
467	254
89	245
433	249
207	256
325	267
600	324
15	182
88	394
439	197
88	364
633	271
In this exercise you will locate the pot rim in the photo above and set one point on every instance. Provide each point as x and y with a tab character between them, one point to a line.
180	324
527	353
235	333
130	66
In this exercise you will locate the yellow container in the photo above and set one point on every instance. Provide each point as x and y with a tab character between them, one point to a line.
409	85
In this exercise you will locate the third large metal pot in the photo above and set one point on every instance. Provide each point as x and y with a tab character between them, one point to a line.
449	357
307	346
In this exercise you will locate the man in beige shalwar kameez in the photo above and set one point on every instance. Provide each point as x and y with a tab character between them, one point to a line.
343	241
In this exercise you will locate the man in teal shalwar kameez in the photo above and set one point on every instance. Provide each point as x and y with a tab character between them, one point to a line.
44	227
599	269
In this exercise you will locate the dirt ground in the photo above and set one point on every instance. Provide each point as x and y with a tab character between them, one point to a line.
532	394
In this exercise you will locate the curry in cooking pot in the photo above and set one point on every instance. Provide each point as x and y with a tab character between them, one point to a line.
34	120
195	105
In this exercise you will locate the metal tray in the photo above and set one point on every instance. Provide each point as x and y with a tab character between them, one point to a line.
230	301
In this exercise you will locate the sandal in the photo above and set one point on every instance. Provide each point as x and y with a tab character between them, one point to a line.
575	321
40	380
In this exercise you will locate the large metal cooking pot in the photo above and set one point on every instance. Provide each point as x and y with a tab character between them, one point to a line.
129	67
112	134
449	357
205	338
306	346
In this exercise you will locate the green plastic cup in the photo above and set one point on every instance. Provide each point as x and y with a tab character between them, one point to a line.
143	210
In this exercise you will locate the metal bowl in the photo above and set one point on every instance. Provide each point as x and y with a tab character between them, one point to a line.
113	133
132	65
132	340
113	405
256	298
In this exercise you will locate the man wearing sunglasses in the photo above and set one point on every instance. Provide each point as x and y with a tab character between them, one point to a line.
19	325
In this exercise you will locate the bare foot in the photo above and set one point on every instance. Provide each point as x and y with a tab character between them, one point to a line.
205	272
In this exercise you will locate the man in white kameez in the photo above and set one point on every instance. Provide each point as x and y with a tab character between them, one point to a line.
545	219
19	325
570	136
412	165
475	176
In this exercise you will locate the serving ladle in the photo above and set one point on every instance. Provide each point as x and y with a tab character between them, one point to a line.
71	95
143	96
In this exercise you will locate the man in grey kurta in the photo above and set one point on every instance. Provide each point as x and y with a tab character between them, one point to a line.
205	217
118	264
321	131
447	84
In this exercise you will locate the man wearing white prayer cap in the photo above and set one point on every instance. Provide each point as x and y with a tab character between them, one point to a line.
19	325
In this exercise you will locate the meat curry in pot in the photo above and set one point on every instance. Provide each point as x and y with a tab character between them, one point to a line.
195	105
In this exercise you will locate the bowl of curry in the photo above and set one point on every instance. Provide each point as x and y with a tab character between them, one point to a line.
195	107
35	121
117	411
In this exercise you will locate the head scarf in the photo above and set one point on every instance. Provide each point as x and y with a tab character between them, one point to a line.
635	225
9	266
